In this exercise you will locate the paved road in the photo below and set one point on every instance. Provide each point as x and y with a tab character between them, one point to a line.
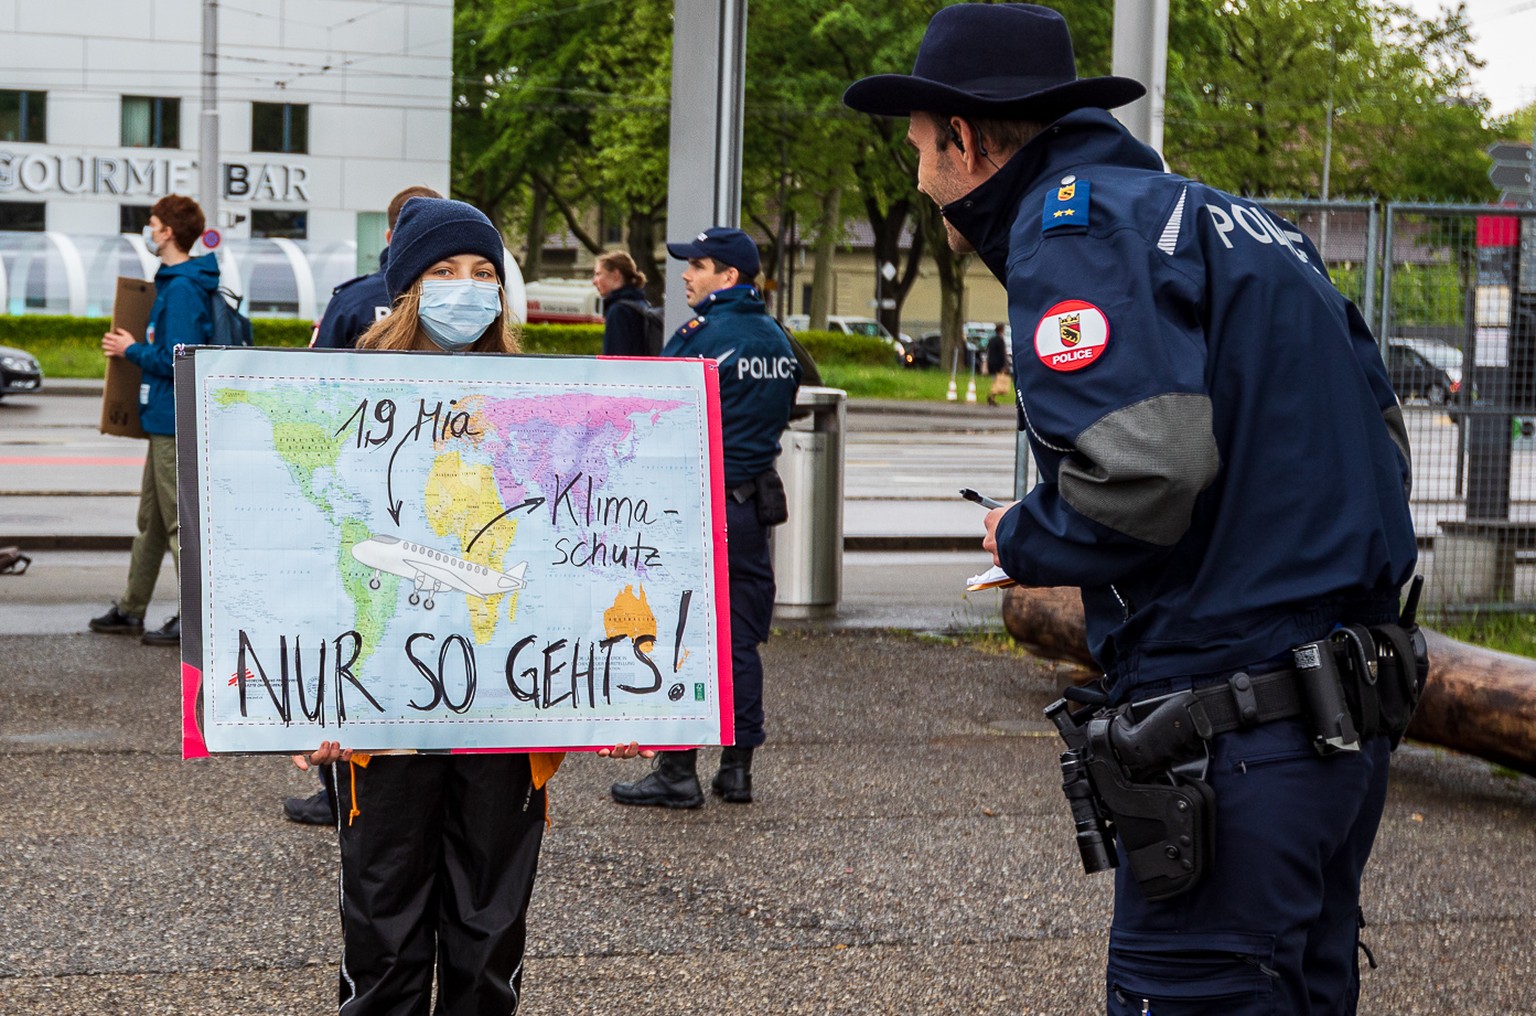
909	851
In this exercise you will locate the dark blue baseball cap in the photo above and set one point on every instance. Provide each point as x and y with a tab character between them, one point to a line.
726	245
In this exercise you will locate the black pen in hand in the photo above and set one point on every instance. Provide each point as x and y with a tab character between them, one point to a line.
981	499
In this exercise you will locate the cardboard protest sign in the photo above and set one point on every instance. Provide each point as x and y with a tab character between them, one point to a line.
450	552
120	394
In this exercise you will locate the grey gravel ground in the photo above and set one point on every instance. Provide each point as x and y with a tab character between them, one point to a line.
908	853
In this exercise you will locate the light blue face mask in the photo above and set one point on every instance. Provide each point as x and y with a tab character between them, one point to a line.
148	232
456	312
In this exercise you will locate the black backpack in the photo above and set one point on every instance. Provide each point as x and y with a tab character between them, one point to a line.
655	328
230	327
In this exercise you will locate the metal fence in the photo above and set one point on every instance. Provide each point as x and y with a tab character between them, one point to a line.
1437	285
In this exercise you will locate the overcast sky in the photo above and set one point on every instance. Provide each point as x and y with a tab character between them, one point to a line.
1503	33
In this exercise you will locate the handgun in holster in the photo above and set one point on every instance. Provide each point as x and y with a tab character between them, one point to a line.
1145	765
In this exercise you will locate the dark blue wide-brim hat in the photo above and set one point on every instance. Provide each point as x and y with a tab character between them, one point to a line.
430	229
1010	61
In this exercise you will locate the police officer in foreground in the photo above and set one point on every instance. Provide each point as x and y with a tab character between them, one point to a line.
758	378
357	303
1224	472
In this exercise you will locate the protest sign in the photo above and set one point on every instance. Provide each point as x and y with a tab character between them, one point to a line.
131	305
450	552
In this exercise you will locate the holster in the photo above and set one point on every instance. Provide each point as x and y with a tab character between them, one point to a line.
771	501
1150	776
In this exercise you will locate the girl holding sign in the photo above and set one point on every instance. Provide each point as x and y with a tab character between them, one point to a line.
439	852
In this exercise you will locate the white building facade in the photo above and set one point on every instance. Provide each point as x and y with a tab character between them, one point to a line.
326	108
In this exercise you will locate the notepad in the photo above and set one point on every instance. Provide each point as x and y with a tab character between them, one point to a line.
992	578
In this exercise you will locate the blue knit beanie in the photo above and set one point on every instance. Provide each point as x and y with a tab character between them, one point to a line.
430	229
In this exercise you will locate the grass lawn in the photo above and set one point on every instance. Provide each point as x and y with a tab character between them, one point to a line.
1508	633
79	356
867	382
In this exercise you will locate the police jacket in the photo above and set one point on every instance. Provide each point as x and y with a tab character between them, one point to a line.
355	305
1223	464
758	376
178	317
624	322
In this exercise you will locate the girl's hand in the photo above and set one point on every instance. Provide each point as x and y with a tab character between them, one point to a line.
630	750
328	752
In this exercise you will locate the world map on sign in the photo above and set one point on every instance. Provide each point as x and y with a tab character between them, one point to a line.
423	551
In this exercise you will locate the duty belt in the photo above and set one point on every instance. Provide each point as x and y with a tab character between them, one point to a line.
1243	700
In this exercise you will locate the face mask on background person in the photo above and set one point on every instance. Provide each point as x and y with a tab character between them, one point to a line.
456	312
149	239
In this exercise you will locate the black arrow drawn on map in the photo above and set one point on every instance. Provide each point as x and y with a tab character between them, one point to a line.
389	485
532	504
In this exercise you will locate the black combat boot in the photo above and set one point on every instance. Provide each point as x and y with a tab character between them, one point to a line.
673	783
734	780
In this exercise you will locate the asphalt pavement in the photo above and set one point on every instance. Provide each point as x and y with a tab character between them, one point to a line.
908	852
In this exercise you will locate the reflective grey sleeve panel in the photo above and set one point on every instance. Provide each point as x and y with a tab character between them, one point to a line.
1139	469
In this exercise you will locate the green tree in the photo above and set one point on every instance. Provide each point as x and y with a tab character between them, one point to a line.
1249	98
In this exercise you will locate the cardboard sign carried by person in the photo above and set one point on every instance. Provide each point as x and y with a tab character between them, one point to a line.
446	552
120	394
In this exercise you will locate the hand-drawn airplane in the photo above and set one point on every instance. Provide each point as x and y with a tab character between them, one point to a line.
433	570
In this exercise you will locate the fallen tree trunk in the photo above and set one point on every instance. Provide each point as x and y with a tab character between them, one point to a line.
1478	701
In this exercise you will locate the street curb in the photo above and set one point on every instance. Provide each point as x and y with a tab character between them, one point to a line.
82	541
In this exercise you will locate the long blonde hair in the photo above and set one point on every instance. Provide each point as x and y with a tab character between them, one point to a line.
402	328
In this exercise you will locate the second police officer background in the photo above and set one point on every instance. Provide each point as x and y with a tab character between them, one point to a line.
758	378
357	303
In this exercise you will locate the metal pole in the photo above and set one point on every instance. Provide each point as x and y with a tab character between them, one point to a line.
1141	52
1386	279
208	122
1372	266
708	89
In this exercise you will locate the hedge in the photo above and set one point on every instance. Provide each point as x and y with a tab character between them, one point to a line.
41	334
32	330
839	348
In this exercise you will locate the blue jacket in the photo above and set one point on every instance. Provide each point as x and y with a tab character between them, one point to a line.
179	317
355	305
758	376
1223	464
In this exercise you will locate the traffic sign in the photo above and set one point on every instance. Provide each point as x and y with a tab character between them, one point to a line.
1512	170
1517	152
211	239
1510	177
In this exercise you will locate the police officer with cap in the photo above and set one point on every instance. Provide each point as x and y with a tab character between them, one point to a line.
357	303
1224	473
758	378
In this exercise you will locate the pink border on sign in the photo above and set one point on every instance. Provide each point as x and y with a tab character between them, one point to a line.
722	571
192	743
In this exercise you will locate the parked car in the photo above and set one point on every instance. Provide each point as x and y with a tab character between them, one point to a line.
850	325
1424	369
924	350
19	372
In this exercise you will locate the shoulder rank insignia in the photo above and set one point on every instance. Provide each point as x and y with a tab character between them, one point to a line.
1065	205
692	326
